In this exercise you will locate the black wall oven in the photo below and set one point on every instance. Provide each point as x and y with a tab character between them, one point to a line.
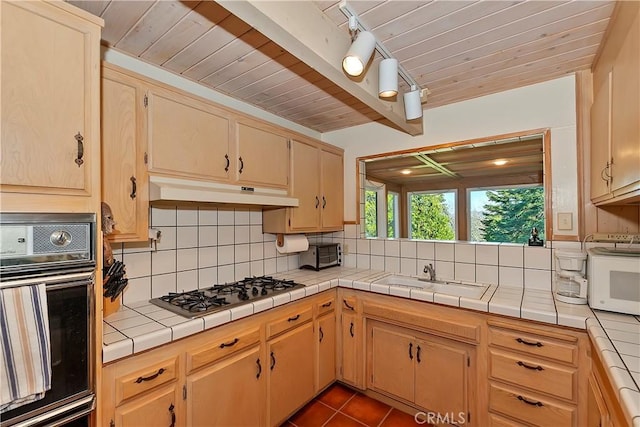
59	251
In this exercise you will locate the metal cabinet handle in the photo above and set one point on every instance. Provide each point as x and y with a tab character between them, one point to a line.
418	354
533	368
134	187
150	377
273	361
294	318
351	330
326	304
80	140
226	168
321	334
317	202
259	368
411	350
173	415
241	164
536	344
529	402
324	202
346	304
230	344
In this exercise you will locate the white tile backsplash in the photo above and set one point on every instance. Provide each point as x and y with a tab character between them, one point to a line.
163	262
207	235
511	276
187	259
137	264
162	284
207	216
377	247
426	250
487	254
226	217
162	216
537	257
445	251
511	255
392	248
465	253
207	257
408	249
167	238
187	216
465	272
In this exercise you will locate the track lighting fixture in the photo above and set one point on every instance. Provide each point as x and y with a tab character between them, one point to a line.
412	104
359	53
388	78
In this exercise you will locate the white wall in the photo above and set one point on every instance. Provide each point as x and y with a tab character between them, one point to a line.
544	105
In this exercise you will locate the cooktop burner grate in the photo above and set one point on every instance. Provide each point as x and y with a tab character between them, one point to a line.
200	302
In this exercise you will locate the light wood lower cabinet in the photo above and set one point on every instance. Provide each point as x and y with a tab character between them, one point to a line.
228	393
158	408
291	372
326	341
430	372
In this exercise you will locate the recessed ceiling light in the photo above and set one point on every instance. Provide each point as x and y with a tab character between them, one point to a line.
405	172
499	162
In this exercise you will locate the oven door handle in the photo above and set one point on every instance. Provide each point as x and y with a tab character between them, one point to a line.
58	281
91	400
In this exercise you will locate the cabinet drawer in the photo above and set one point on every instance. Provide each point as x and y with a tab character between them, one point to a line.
145	379
497	421
349	304
532	373
534	344
221	348
293	319
530	409
326	306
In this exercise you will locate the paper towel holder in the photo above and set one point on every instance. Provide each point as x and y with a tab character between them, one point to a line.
280	239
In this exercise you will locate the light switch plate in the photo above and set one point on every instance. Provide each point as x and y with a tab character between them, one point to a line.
565	221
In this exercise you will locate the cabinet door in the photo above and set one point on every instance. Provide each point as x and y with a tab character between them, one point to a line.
601	140
625	113
263	157
350	335
326	350
159	408
124	175
221	394
392	362
332	191
49	86
597	413
187	138
442	376
291	372
305	186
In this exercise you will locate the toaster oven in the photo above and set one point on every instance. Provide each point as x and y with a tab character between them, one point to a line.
321	256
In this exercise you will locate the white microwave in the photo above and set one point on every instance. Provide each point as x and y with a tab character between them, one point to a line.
614	279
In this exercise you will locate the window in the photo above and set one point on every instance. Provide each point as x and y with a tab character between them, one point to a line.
375	205
393	216
506	214
432	215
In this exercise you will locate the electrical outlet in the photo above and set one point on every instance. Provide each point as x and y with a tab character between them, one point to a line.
616	237
345	249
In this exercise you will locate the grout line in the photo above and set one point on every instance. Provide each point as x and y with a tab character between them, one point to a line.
385	417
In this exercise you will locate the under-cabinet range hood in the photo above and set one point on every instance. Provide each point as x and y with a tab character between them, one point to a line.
184	190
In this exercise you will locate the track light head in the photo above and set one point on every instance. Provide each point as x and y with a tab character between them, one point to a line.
359	53
412	104
388	78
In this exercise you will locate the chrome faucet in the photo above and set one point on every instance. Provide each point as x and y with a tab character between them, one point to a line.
431	271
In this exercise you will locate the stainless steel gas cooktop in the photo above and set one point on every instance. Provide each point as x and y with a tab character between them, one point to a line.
201	302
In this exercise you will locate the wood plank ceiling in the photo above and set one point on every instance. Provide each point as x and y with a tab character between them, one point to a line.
457	49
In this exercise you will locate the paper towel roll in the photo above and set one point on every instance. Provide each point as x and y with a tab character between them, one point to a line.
293	243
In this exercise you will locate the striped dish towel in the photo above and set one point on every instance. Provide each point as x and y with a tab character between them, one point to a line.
25	354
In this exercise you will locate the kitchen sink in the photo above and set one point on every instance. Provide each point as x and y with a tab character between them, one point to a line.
448	287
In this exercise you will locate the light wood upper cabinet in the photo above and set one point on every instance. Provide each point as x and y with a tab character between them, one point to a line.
124	145
233	386
261	156
332	190
187	137
318	184
50	100
615	128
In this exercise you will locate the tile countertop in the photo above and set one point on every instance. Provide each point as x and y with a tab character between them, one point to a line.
141	326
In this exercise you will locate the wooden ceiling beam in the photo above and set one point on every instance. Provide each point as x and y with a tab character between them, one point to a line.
305	32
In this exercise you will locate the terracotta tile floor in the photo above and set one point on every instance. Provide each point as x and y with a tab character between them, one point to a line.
339	406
